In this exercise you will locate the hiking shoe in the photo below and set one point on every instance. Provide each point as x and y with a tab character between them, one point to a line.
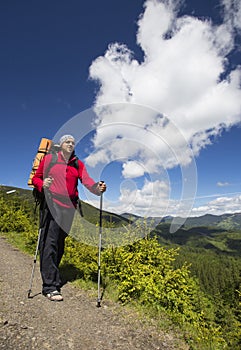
54	296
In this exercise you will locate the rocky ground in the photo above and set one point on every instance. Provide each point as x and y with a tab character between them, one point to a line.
76	323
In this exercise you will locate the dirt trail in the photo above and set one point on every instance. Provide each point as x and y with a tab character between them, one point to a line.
76	323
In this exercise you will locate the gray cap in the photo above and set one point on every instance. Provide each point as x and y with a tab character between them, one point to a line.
65	138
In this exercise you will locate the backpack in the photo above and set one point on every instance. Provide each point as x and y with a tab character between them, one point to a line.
46	146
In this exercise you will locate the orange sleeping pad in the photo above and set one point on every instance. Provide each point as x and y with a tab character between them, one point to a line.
43	149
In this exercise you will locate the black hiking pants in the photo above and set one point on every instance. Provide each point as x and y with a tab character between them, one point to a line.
56	225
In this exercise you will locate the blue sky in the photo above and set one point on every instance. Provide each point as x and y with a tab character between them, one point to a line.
59	59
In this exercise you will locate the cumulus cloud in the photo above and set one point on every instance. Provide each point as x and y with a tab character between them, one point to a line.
232	14
163	110
184	59
219	206
139	134
132	169
161	205
150	200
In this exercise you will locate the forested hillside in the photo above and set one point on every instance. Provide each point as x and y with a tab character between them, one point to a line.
191	278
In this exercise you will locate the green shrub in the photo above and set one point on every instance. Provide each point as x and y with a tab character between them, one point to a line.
145	274
82	257
12	219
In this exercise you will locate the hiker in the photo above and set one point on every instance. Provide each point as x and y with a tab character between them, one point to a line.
59	185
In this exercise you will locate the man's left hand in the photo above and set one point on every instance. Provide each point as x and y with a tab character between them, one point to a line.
102	186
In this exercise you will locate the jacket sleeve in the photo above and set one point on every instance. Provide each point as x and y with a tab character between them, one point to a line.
87	181
38	178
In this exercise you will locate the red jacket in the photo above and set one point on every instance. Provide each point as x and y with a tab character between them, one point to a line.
64	189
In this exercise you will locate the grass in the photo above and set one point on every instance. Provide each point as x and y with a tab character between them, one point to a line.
17	239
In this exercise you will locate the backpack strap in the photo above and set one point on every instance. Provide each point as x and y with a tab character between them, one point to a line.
75	164
53	161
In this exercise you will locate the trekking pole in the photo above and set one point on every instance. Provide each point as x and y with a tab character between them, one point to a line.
34	264
99	255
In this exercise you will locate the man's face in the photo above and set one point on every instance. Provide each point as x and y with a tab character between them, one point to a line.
68	146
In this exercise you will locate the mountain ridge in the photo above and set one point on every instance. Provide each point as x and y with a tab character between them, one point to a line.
226	221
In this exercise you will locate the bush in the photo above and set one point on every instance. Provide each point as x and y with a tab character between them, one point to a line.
145	274
82	257
12	219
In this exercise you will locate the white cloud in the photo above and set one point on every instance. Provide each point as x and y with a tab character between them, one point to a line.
132	169
151	200
221	205
232	13
223	184
182	76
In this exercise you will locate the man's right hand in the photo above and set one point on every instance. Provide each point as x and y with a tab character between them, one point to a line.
47	182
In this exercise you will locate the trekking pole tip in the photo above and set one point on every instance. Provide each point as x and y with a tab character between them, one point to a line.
98	304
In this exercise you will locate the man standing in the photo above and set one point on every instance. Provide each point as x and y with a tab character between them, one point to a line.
59	182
